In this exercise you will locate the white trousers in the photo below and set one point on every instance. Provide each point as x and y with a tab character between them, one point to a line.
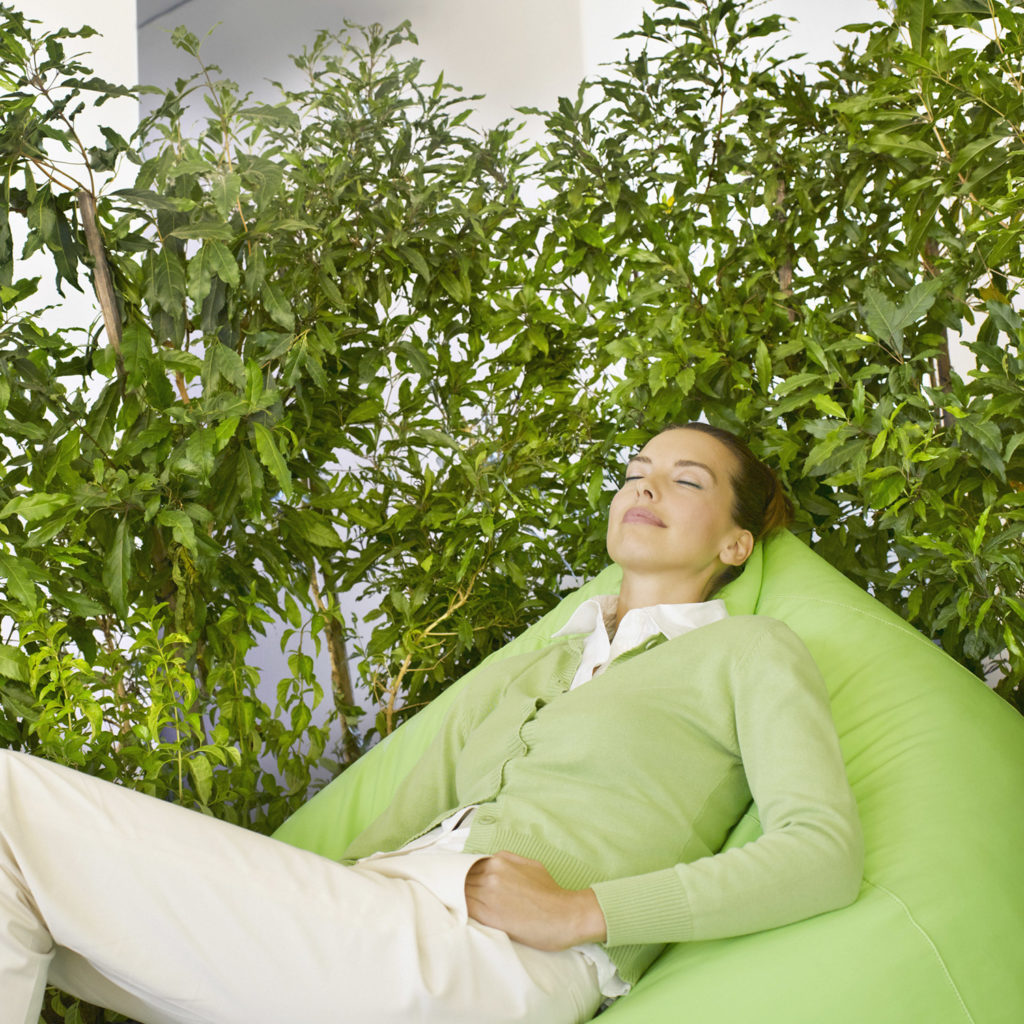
172	917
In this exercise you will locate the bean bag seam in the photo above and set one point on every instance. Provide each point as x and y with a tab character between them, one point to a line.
935	950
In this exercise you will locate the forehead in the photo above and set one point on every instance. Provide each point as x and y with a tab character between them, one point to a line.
690	446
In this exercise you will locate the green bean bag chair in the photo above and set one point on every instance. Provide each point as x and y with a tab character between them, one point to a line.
937	764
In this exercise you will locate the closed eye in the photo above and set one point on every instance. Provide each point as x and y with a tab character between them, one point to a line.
691	483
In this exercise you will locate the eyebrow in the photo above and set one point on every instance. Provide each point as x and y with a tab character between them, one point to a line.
685	463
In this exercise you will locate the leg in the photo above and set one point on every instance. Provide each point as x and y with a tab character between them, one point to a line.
176	918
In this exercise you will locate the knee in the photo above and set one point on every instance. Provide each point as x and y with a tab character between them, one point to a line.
10	757
13	762
8	764
18	792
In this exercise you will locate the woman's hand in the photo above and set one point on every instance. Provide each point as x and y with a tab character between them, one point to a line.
518	896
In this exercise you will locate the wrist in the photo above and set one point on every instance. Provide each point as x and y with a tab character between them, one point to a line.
590	922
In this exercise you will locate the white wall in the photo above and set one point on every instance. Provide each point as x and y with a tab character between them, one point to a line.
814	25
485	46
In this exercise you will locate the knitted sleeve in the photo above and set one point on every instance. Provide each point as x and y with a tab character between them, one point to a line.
809	858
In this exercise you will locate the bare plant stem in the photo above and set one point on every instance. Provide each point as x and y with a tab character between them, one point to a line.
102	281
341	678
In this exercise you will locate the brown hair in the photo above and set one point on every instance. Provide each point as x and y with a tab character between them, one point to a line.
758	502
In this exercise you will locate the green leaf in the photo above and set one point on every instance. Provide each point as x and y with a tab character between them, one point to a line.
978	8
201	771
271	457
214	258
182	527
886	320
190	165
880	313
211	229
117	567
879	443
222	263
185	363
13	663
219	362
249	476
920	299
225	190
921	221
364	412
590	234
137	349
291	611
66	250
901	145
279	310
829	406
32	507
763	362
82	606
973	149
183	39
918	14
416	258
1008	320
435	437
795	382
169	281
254	385
454	286
18	575
225	430
155	200
311	527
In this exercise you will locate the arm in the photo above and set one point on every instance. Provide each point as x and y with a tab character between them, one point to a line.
809	858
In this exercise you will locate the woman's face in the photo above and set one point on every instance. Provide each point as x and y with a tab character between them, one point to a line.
672	517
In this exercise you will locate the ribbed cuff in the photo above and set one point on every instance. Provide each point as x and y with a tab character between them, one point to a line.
645	908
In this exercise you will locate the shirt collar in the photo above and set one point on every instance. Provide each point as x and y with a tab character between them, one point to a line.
671	620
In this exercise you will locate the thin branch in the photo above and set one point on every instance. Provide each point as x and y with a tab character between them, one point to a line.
341	678
462	595
102	281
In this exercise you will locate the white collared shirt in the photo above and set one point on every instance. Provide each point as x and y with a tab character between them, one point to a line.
596	617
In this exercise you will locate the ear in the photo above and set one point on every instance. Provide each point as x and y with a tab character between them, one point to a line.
738	550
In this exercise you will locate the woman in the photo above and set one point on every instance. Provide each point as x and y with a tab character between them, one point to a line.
560	829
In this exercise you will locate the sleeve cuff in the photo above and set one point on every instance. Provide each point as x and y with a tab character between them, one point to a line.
645	908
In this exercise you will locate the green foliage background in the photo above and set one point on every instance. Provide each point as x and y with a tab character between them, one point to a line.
355	345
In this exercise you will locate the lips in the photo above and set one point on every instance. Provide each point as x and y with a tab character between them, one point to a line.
642	515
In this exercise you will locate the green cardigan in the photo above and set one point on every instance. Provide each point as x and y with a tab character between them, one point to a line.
630	783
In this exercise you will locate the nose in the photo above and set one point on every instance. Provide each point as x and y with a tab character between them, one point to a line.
645	489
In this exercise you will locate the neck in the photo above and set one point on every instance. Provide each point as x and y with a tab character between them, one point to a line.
645	591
